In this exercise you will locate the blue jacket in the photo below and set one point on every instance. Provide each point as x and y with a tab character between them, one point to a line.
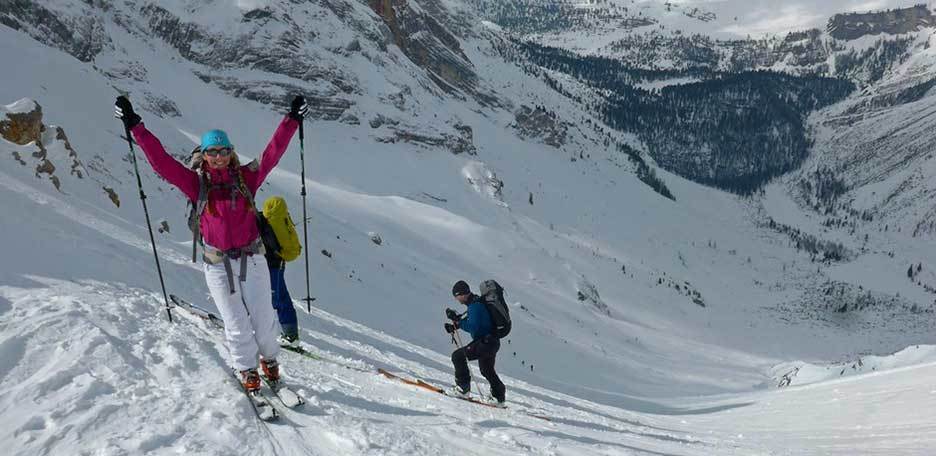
477	321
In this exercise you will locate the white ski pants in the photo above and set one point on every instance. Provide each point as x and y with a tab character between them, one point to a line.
250	325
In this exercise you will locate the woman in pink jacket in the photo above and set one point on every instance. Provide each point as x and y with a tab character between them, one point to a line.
222	191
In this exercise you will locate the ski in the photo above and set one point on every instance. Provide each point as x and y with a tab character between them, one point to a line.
303	352
286	396
449	394
308	354
199	312
435	389
427	386
261	404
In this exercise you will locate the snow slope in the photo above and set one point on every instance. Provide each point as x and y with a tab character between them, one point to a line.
93	370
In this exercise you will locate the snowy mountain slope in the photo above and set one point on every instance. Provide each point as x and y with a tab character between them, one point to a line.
605	269
565	265
876	150
102	373
869	157
875	144
677	34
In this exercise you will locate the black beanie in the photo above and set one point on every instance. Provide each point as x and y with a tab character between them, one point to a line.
460	288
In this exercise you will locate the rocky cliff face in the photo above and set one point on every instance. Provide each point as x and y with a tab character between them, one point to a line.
78	34
893	22
427	40
268	53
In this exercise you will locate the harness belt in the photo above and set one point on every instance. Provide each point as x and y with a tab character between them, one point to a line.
215	256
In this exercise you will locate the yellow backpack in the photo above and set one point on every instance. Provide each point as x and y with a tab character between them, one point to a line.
277	215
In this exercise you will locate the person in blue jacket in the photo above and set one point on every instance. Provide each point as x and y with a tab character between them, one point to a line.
483	347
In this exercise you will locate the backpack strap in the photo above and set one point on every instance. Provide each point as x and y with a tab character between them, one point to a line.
197	210
215	256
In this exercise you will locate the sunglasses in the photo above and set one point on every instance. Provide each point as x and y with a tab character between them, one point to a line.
218	152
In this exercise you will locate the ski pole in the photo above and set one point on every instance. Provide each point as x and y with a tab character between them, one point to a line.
149	226
305	220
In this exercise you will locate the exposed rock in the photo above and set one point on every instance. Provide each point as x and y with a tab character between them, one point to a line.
895	22
126	70
52	150
258	14
327	106
23	125
350	119
76	167
459	142
804	49
18	158
276	55
700	14
588	293
888	99
23	122
381	120
44	166
428	44
464	143
114	197
161	106
398	99
375	238
543	124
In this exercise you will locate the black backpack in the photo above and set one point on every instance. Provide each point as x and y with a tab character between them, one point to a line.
492	295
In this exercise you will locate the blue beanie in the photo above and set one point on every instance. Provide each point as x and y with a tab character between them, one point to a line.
215	138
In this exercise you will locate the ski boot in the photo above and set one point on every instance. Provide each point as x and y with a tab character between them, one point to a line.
460	392
499	403
288	340
250	380
270	369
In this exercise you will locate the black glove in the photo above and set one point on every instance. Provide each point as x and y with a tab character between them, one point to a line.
452	315
299	108
123	110
450	327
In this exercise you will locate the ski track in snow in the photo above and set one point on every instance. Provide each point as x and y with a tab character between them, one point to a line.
108	374
96	368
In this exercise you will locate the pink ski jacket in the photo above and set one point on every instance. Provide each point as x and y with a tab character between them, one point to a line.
226	224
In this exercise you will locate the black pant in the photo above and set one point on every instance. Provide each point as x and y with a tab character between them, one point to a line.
485	351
